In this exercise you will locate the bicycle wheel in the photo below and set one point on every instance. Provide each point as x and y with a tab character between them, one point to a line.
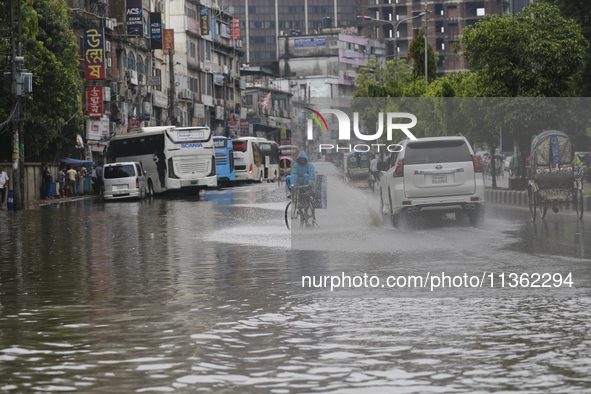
532	204
287	216
579	202
294	206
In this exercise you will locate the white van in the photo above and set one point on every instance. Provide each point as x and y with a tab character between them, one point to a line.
124	180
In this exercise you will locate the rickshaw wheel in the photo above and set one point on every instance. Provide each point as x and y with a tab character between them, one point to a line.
532	204
579	202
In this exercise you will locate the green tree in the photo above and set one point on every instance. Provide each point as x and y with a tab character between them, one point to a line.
536	53
416	52
52	111
580	11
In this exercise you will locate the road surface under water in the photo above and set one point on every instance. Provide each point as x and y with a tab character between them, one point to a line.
180	295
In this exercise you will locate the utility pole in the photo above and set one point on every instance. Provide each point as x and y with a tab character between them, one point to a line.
172	88
426	45
16	162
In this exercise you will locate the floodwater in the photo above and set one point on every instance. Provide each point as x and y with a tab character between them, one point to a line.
181	295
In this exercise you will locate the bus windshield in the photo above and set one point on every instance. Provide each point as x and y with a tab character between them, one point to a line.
188	136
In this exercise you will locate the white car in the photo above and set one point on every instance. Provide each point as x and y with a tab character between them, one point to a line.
437	174
124	180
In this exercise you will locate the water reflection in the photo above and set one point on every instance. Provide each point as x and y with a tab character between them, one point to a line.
176	295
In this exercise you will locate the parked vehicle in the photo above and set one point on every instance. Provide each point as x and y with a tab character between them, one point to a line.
269	151
247	160
224	160
174	158
438	174
553	180
124	180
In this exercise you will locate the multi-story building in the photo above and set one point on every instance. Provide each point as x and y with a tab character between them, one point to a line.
208	70
445	21
325	64
267	106
262	21
135	79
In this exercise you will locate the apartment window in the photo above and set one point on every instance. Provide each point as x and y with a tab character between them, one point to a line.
131	61
206	84
248	99
194	84
124	58
140	65
192	50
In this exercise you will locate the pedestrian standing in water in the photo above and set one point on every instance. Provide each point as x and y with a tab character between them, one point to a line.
71	179
3	186
61	178
46	181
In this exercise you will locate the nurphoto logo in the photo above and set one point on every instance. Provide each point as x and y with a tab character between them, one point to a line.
345	130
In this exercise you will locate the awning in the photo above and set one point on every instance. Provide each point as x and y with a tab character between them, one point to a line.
78	163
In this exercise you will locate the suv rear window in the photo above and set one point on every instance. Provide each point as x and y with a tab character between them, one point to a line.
436	152
122	171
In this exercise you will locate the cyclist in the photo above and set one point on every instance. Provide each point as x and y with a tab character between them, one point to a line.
373	167
302	173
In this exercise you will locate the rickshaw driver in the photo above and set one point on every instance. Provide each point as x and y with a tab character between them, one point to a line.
302	173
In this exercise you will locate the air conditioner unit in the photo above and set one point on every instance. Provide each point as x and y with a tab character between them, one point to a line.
282	33
110	24
238	43
107	46
106	93
145	124
112	126
109	63
129	95
159	7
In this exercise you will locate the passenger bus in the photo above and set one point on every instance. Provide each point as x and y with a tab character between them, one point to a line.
224	159
287	157
174	158
247	160
269	151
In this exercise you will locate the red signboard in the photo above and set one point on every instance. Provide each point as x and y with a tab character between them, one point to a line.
244	127
94	98
235	29
168	41
94	54
134	123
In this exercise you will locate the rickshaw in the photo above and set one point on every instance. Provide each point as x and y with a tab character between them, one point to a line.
357	168
552	182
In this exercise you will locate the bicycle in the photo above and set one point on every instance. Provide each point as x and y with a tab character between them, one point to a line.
301	206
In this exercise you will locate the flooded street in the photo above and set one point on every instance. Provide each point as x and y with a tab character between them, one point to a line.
182	295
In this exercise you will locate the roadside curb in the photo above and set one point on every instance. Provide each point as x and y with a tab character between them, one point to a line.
517	197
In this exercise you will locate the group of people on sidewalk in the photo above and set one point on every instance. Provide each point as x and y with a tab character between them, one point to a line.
71	180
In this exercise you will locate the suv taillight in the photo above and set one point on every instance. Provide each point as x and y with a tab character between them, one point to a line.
137	183
477	165
399	170
250	170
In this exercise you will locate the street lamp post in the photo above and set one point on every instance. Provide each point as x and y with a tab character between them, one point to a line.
395	26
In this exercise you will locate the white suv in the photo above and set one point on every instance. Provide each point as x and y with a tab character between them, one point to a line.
439	174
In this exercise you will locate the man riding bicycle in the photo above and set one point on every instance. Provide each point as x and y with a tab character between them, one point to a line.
302	173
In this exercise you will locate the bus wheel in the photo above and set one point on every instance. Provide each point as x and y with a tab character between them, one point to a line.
150	188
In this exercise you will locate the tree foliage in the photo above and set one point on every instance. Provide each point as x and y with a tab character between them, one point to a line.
52	112
536	53
579	11
416	52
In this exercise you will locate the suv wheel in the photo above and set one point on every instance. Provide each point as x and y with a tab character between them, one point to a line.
476	217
